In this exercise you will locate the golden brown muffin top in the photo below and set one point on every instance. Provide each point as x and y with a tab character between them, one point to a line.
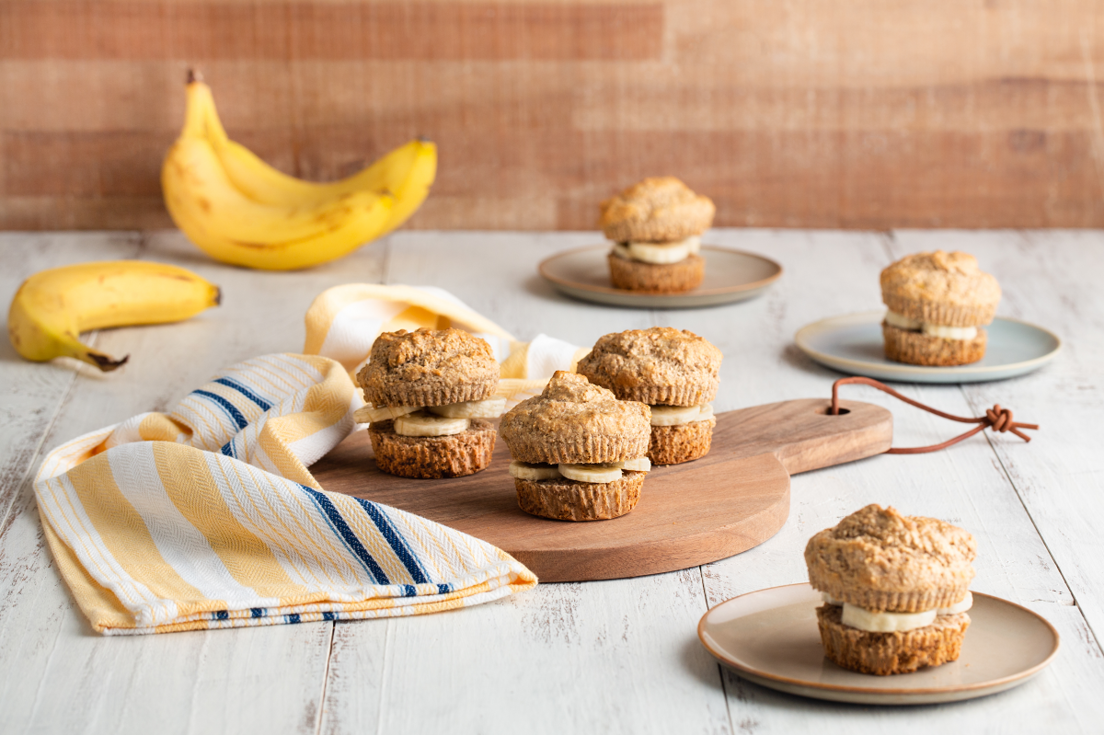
572	411
657	209
878	549
428	368
949	278
634	363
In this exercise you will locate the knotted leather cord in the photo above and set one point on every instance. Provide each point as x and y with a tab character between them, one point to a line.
996	418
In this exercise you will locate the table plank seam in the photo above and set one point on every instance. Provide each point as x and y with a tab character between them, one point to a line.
1030	517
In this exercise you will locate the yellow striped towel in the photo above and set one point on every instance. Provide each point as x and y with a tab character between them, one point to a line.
207	517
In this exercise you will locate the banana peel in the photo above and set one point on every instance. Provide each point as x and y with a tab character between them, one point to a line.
53	307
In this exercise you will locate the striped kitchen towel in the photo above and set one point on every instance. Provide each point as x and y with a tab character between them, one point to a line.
207	516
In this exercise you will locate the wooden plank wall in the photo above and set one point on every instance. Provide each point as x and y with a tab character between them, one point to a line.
802	113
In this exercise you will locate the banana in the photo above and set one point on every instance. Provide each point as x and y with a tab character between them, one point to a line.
640	464
679	415
240	210
659	253
53	307
421	423
526	471
372	414
488	409
591	472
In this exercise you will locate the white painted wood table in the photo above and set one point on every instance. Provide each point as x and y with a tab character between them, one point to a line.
605	657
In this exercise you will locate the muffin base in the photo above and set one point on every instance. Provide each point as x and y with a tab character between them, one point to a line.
883	654
632	275
432	457
682	443
915	348
567	500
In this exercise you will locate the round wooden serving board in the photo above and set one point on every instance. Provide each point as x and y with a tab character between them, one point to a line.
731	500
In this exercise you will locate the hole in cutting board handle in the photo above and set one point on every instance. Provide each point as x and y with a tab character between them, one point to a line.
827	411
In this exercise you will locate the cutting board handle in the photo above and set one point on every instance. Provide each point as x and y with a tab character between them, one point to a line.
804	436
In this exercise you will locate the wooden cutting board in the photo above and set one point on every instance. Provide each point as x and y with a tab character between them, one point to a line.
731	500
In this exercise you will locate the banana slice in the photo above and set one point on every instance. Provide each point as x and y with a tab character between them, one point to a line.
621	250
421	423
694	243
488	409
659	253
640	464
706	412
591	472
526	471
678	415
371	414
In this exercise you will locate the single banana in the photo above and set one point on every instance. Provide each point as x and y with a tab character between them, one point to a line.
407	172
421	423
640	464
372	414
53	307
591	472
241	210
488	409
526	471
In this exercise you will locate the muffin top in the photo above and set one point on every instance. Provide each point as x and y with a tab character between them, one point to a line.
658	209
881	560
657	366
919	286
576	422
428	368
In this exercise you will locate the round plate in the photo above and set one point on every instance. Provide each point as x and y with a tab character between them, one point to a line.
771	638
730	275
853	344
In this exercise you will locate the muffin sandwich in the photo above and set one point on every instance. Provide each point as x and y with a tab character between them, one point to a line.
675	372
579	453
937	305
656	227
429	394
895	590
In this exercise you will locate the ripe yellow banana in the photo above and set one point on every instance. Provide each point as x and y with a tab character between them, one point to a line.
242	211
53	307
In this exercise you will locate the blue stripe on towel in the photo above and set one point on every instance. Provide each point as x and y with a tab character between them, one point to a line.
265	405
341	528
226	406
394	538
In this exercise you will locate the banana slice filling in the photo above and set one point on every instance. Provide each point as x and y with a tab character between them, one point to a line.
680	415
413	416
598	473
876	621
658	253
901	321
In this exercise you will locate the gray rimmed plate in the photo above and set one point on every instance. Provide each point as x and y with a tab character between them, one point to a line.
770	637
730	275
853	344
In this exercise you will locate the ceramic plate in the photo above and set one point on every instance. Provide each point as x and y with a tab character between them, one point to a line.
771	638
853	344
730	275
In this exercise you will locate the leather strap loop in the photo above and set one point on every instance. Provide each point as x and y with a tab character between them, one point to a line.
996	418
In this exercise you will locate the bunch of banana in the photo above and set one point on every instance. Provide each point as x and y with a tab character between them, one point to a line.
53	307
240	210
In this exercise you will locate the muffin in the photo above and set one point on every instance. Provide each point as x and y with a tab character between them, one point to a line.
429	393
675	372
895	590
579	453
937	303
656	227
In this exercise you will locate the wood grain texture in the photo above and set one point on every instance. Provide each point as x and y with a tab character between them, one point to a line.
865	115
611	656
